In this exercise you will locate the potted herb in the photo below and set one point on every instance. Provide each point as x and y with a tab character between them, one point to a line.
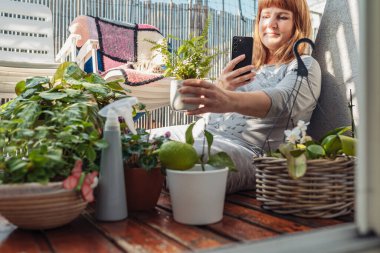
47	132
143	176
191	60
197	184
309	178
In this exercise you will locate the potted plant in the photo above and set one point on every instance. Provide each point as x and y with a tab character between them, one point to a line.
143	176
197	184
47	132
191	60
308	178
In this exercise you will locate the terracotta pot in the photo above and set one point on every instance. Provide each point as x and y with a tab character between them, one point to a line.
143	188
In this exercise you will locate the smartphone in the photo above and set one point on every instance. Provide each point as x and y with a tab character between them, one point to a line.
242	45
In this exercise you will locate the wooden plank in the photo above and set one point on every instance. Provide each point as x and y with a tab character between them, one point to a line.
260	218
193	237
240	230
229	227
18	240
255	204
133	236
267	221
79	236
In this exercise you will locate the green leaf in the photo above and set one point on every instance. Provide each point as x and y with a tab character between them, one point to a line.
94	78
221	160
95	88
58	75
331	144
90	153
339	130
101	144
20	87
210	139
73	71
52	95
115	85
189	134
297	166
29	92
315	151
296	152
36	81
73	93
147	162
348	145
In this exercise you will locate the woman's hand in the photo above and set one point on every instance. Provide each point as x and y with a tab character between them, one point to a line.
230	79
217	100
213	98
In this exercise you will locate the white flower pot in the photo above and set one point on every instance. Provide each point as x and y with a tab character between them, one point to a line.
197	196
176	98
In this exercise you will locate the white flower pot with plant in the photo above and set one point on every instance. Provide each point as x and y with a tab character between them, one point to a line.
192	60
197	184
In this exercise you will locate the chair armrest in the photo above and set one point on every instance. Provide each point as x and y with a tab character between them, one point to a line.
88	50
68	49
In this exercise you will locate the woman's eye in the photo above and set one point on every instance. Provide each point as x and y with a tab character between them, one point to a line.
265	16
284	17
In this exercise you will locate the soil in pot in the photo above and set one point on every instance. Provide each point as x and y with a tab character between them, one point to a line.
143	188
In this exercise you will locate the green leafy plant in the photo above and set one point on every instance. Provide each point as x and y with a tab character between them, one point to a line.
300	147
52	123
191	60
139	150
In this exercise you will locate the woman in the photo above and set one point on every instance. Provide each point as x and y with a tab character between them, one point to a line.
252	110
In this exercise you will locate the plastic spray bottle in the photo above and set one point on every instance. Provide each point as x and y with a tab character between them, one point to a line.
111	201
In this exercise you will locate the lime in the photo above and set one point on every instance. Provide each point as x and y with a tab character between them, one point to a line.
178	155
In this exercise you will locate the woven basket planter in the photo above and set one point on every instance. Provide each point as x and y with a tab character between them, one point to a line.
36	206
325	191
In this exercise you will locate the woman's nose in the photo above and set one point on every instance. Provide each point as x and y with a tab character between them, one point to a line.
272	22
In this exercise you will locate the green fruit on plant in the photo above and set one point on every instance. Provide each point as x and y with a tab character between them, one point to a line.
177	155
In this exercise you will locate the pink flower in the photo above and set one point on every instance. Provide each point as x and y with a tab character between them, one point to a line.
81	182
87	189
72	181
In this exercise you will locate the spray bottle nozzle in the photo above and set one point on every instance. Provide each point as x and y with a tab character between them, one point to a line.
123	108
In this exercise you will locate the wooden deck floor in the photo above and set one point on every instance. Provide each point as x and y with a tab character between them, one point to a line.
156	231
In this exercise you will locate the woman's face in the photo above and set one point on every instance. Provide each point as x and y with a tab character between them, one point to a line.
275	28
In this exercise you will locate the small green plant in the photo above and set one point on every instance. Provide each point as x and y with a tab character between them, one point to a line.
300	147
139	150
218	160
191	60
52	123
182	156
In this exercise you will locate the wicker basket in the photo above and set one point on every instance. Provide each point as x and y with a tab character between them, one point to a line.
326	190
36	206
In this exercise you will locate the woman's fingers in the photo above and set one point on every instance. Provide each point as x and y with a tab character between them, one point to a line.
237	81
231	65
242	70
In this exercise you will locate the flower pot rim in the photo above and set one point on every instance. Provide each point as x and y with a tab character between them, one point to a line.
197	172
24	190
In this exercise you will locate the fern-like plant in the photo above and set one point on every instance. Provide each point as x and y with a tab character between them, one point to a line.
191	60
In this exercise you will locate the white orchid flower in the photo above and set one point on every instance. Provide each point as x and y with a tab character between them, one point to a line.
302	125
293	136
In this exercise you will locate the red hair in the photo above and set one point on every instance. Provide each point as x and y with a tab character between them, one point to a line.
302	29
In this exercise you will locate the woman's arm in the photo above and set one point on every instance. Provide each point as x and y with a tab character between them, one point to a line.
215	99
